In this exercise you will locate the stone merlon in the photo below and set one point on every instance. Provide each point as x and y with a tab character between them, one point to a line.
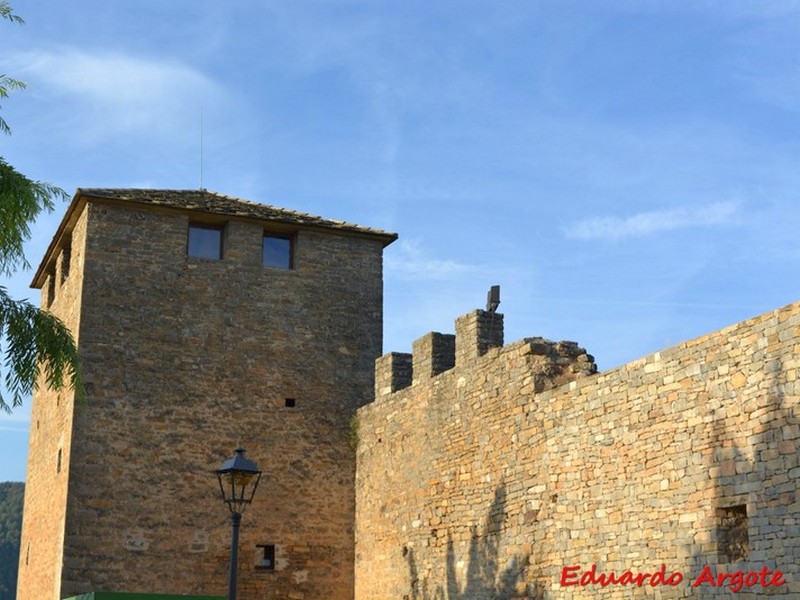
477	332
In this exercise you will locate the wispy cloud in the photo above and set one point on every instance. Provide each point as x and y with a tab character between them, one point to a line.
647	223
115	93
409	262
15	428
17	421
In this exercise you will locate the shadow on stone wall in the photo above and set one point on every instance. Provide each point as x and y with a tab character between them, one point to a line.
743	502
483	579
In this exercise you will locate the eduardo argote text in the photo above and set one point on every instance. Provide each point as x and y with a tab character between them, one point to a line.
735	581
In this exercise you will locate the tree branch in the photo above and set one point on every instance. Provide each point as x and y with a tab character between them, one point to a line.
38	345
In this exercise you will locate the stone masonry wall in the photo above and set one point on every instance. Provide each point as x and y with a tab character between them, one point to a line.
50	444
184	359
480	482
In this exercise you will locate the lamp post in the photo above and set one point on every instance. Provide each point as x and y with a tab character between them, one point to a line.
238	480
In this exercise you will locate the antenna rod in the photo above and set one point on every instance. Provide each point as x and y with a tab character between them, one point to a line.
201	148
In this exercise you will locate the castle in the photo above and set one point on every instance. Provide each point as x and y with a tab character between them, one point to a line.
203	322
480	470
489	471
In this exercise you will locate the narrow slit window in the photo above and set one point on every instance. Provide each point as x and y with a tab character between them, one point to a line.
205	241
51	289
277	251
66	256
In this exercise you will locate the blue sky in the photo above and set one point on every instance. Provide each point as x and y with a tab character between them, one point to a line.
627	171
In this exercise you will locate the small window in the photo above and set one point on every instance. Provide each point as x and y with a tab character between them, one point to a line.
733	542
66	254
267	560
277	251
205	241
58	462
51	289
289	403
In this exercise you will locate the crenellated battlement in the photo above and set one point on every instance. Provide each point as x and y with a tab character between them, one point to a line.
478	332
496	476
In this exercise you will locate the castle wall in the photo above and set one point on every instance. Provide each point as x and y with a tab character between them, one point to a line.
50	445
184	359
480	482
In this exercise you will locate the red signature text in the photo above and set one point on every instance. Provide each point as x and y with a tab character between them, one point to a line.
569	576
740	579
735	582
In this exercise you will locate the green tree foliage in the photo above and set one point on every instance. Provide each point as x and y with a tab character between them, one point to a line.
7	84
11	494
35	343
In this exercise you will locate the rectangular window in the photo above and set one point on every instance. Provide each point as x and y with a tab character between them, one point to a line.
277	251
205	241
267	559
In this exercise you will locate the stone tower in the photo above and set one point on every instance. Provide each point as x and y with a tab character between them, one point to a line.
203	322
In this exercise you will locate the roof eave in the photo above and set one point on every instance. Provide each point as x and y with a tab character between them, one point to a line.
348	229
82	195
72	214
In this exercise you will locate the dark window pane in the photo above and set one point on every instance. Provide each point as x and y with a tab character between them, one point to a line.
205	242
277	252
66	255
268	559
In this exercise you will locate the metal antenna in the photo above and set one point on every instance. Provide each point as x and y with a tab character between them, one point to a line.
201	148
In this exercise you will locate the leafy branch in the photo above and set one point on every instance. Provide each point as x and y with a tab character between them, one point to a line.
8	84
36	343
21	202
6	12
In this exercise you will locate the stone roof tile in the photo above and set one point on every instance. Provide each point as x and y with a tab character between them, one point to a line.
221	204
199	201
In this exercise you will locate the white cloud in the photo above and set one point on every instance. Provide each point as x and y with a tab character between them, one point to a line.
646	223
409	262
106	94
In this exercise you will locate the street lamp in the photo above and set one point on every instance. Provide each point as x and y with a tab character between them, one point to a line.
238	480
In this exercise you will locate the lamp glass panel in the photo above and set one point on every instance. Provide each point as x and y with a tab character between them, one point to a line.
238	478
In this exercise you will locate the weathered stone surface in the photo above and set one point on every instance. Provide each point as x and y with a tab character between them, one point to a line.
489	478
51	439
184	359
